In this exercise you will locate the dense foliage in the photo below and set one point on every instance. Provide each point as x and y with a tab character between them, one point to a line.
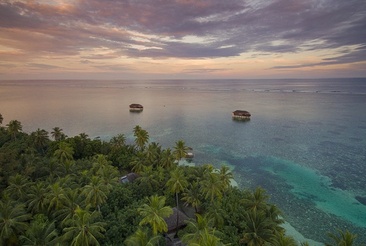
67	191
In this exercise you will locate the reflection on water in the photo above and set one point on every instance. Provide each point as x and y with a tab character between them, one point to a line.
301	132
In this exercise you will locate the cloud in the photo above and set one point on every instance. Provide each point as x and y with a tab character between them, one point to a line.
85	62
118	68
159	29
7	65
358	55
41	66
101	56
203	70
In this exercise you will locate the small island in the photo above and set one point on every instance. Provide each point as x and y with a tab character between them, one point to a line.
135	107
241	115
115	193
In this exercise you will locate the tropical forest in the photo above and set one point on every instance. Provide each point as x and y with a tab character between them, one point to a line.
61	190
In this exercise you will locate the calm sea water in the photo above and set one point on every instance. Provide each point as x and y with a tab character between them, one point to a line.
305	142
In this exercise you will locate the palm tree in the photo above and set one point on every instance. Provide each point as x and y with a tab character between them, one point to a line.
141	137
180	150
52	167
31	159
256	200
83	228
177	183
153	152
160	175
37	198
142	237
80	144
148	178
280	239
154	212
225	176
202	171
136	130
40	139
13	220
41	232
109	175
83	136
258	230
192	196
18	187
199	229
167	159
14	127
206	238
343	238
100	162
69	204
211	186
96	192
57	133
138	162
118	141
56	196
64	152
215	212
274	213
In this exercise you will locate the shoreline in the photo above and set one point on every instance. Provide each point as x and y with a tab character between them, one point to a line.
299	238
289	229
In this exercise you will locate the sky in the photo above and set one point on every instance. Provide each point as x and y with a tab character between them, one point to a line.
182	39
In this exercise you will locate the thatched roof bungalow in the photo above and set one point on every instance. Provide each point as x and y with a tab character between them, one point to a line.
241	115
135	107
128	178
173	226
171	221
189	154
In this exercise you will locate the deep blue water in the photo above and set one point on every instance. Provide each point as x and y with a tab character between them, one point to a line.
305	142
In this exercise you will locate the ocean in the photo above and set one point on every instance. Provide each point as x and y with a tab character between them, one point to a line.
305	142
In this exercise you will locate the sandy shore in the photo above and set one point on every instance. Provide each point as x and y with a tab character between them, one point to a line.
291	231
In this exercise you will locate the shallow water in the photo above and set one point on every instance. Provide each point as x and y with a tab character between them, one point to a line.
305	142
309	184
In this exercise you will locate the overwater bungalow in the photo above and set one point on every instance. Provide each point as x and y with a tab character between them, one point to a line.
189	154
135	107
241	115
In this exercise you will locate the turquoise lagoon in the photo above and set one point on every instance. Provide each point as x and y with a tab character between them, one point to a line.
305	143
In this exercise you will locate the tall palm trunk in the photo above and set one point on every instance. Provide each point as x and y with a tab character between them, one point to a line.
177	201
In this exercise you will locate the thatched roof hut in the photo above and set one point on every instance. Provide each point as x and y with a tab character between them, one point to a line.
189	154
128	178
171	221
136	107
241	115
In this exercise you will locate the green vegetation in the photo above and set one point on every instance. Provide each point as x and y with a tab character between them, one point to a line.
66	191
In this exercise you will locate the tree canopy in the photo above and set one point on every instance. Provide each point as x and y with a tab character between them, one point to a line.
66	191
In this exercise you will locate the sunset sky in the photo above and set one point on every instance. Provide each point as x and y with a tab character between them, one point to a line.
182	39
